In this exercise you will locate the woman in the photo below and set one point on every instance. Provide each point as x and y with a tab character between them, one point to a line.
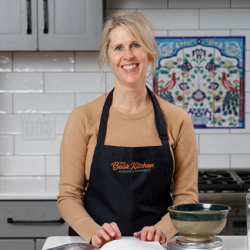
124	148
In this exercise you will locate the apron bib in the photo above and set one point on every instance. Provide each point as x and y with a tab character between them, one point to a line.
129	185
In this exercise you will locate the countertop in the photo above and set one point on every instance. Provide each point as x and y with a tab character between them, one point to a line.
228	242
28	196
53	196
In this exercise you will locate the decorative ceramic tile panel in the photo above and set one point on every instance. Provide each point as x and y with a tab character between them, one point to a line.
205	76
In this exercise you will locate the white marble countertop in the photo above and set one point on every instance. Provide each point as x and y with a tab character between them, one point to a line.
28	196
228	242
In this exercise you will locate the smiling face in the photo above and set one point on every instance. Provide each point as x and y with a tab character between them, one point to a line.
127	58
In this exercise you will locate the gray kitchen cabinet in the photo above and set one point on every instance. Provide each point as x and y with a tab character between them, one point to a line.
70	24
32	220
45	25
17	244
18	27
39	244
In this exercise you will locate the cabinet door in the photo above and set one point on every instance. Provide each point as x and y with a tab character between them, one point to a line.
69	24
18	25
40	244
17	244
31	219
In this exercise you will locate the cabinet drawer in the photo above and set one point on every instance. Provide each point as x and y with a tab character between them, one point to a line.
31	219
17	244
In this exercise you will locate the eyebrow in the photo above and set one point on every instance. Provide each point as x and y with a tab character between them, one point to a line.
119	44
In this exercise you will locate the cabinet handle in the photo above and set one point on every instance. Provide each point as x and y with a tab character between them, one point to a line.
29	30
46	17
12	221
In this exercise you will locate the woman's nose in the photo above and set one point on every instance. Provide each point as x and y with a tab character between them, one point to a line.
128	54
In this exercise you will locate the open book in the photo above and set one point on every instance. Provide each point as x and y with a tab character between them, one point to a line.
113	245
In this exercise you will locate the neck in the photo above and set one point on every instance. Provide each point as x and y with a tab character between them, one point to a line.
130	101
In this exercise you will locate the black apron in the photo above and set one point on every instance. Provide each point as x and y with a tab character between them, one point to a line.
129	185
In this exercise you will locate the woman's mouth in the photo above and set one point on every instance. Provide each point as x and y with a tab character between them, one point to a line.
130	67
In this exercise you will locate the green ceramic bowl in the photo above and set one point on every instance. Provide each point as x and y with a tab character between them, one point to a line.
198	221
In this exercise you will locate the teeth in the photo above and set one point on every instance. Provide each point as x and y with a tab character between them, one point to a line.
130	66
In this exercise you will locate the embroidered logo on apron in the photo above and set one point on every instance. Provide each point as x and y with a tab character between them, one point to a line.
124	167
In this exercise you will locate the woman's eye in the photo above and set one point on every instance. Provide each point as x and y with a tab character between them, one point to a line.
118	48
136	45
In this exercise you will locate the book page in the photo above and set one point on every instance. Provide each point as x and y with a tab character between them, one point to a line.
132	245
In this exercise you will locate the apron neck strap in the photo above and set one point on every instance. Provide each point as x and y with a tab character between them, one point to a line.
159	119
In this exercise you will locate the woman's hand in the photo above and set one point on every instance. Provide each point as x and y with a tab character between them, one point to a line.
106	233
151	234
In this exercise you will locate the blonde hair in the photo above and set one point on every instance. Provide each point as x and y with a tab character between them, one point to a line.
138	26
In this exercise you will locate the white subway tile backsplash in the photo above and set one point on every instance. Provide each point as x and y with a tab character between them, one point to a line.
73	82
225	144
5	103
172	19
6	145
60	122
22	184
225	19
245	130
82	99
43	61
5	62
86	61
52	184
247	102
245	33
160	33
247	67
52	84
21	82
37	147
240	161
184	4
240	3
213	161
185	33
52	165
128	4
247	81
43	103
212	131
22	165
11	124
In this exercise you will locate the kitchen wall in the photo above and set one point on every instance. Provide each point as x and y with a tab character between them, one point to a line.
34	85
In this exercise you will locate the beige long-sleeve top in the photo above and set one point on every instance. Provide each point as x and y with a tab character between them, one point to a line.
128	130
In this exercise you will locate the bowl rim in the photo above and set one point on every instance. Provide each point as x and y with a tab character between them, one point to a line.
199	212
